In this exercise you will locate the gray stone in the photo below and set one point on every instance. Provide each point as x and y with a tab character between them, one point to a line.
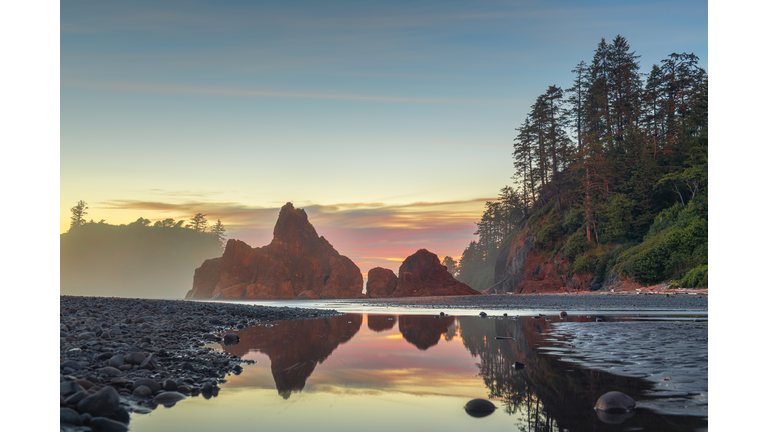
76	398
231	339
135	358
71	364
142	391
69	388
102	424
152	384
479	407
103	401
169	385
109	370
68	415
117	360
150	363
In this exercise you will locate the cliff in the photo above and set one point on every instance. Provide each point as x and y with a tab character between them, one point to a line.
296	264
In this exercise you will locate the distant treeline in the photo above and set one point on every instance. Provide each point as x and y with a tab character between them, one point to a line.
138	259
611	174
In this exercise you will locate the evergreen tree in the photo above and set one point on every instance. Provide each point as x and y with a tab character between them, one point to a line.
198	223
217	230
78	214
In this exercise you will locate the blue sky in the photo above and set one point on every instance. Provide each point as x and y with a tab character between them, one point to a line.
173	107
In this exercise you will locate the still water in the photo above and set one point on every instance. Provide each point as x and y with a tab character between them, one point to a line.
378	372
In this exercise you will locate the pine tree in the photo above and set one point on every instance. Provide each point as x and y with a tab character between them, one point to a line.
78	214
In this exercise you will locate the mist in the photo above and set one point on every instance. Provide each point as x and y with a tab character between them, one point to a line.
105	260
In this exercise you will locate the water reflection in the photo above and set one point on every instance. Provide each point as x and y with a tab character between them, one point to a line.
425	331
546	395
295	348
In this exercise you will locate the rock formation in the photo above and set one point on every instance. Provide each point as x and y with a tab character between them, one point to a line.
420	275
523	269
423	331
296	264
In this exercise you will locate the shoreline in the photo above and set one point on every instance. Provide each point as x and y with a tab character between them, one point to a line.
124	355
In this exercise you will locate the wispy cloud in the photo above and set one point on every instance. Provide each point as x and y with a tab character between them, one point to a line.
371	234
227	92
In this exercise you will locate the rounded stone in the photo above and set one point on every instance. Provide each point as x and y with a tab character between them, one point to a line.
135	358
231	339
102	424
153	385
142	391
116	360
615	402
479	407
103	401
68	415
109	370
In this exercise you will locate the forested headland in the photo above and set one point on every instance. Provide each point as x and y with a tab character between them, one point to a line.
610	176
139	259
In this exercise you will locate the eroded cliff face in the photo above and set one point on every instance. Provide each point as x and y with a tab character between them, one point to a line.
420	275
296	264
523	269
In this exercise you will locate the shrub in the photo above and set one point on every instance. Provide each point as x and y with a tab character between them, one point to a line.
696	278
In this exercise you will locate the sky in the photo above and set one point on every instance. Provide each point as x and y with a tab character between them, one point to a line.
390	123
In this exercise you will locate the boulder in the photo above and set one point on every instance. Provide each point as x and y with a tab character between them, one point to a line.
381	282
297	263
104	401
615	402
421	274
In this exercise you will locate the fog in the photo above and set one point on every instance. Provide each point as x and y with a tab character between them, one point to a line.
132	261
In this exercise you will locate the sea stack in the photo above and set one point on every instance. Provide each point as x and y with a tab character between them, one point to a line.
296	264
420	275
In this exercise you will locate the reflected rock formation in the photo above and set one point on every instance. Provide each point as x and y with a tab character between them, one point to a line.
295	347
297	264
380	323
423	331
420	275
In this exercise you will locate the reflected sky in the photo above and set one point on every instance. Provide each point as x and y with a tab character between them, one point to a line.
379	372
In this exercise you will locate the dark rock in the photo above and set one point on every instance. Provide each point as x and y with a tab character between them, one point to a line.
615	402
103	424
231	339
519	366
483	314
142	391
74	399
103	401
118	382
135	358
169	398
68	415
479	407
150	363
117	360
85	418
84	383
69	388
71	364
152	384
563	314
109	370
169	385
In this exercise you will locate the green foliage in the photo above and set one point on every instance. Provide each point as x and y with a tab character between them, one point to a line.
451	265
583	265
577	243
573	220
676	242
618	219
695	278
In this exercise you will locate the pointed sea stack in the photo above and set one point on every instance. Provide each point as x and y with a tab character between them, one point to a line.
296	264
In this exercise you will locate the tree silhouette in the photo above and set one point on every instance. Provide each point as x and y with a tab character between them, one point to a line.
218	231
78	214
198	222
